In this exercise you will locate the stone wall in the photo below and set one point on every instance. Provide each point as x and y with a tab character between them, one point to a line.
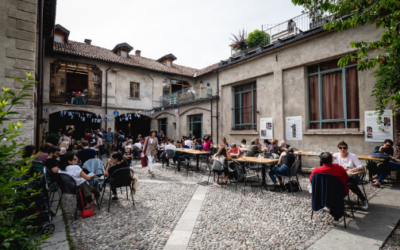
18	36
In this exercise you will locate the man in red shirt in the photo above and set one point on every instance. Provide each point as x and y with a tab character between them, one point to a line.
88	136
333	169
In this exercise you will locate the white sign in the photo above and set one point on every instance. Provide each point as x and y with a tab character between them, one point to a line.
266	130
176	113
375	132
294	128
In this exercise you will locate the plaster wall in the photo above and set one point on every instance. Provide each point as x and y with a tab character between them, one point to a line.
282	89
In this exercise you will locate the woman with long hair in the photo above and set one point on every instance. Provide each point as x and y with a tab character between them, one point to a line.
207	144
29	150
114	163
150	145
221	156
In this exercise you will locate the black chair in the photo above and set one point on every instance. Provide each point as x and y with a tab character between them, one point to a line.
293	173
206	160
329	191
169	154
361	180
241	173
120	178
184	161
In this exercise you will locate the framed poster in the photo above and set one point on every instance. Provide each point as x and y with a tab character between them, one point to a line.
294	128
375	132
266	128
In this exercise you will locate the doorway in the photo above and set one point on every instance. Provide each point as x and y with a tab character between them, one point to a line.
196	126
134	125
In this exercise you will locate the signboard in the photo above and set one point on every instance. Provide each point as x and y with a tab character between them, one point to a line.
266	128
294	128
176	113
116	112
375	132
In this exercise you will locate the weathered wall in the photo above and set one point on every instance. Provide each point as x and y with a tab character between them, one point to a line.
282	89
18	54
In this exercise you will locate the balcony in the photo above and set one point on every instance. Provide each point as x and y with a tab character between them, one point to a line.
87	98
187	95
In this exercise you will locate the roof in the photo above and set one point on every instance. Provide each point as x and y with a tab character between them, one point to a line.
106	55
121	45
58	26
170	55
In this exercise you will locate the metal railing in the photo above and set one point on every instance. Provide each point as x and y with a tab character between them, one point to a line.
186	95
91	98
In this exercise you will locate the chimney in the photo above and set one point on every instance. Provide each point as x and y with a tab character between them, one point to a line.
88	41
137	53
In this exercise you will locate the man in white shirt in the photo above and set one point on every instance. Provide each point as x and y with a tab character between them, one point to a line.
189	142
170	146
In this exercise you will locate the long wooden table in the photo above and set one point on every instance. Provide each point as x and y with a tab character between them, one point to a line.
193	152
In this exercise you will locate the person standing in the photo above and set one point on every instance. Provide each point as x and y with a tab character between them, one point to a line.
110	140
88	136
99	146
161	136
150	145
86	153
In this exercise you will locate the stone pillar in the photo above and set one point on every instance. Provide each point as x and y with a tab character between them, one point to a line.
18	55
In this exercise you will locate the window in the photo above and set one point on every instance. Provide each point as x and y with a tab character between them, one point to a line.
123	53
245	107
196	126
57	38
168	63
134	90
162	125
333	96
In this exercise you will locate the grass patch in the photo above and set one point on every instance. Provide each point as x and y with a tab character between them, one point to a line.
69	239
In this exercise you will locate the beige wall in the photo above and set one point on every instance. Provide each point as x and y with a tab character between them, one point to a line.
282	89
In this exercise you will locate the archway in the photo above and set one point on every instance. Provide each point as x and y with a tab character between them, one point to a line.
129	123
78	120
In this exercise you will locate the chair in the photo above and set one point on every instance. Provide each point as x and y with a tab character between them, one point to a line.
329	191
361	179
293	172
118	179
241	172
169	154
95	166
184	160
185	146
38	166
206	160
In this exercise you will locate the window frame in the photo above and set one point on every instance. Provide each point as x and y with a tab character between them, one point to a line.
55	38
253	118
320	73
124	52
130	90
160	124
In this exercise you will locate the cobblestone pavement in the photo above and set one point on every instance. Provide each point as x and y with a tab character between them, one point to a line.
393	243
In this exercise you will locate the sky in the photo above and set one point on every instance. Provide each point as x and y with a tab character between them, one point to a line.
197	32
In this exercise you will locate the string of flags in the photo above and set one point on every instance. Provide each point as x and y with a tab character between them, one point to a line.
98	118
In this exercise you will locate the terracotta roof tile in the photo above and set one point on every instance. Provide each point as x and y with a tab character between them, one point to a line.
98	53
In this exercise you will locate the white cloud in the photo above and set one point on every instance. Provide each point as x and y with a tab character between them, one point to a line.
196	32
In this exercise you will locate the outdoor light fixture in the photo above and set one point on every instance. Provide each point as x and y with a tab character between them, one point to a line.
115	70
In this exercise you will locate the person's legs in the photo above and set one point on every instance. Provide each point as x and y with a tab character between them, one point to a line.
355	189
150	162
95	183
283	170
129	160
385	170
108	148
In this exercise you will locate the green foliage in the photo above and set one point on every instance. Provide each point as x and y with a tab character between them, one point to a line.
239	41
257	37
385	14
15	233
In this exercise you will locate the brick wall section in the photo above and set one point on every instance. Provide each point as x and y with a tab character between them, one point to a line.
18	36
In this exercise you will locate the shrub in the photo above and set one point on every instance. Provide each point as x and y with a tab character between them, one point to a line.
239	41
15	232
257	37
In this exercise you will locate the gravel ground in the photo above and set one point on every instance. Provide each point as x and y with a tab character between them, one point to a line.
158	209
268	220
393	243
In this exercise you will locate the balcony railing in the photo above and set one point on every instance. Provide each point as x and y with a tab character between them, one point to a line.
186	95
90	98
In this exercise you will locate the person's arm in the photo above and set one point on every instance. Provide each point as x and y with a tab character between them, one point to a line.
87	177
357	163
108	167
55	170
280	158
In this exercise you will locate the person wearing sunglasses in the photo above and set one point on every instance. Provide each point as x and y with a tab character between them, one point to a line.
351	161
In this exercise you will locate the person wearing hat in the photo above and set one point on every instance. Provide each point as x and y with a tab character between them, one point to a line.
128	151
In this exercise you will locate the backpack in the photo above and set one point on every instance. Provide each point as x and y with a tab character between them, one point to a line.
295	187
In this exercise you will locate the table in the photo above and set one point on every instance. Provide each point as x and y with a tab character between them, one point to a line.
369	158
194	152
351	174
262	162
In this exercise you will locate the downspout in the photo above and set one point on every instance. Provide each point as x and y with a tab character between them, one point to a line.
217	106
211	120
39	93
105	107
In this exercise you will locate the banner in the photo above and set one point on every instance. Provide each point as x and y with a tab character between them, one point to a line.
294	128
375	132
266	130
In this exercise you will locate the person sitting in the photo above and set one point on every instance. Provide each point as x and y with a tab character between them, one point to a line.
44	148
283	146
170	146
350	160
63	138
266	143
333	169
128	152
51	161
383	171
286	161
114	163
252	149
235	151
188	142
75	148
86	153
223	143
68	166
273	147
196	144
243	145
221	156
257	142
207	144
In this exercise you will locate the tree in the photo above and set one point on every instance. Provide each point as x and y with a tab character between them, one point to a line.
257	37
385	14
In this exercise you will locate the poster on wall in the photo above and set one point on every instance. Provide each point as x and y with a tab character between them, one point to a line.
266	130
176	113
294	128
375	132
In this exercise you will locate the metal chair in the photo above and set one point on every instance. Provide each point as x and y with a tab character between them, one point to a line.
293	173
241	172
169	154
206	160
182	161
120	178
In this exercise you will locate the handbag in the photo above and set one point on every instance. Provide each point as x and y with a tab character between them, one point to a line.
88	210
144	158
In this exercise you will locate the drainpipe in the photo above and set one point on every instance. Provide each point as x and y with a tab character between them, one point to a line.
105	107
217	105
211	120
39	93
